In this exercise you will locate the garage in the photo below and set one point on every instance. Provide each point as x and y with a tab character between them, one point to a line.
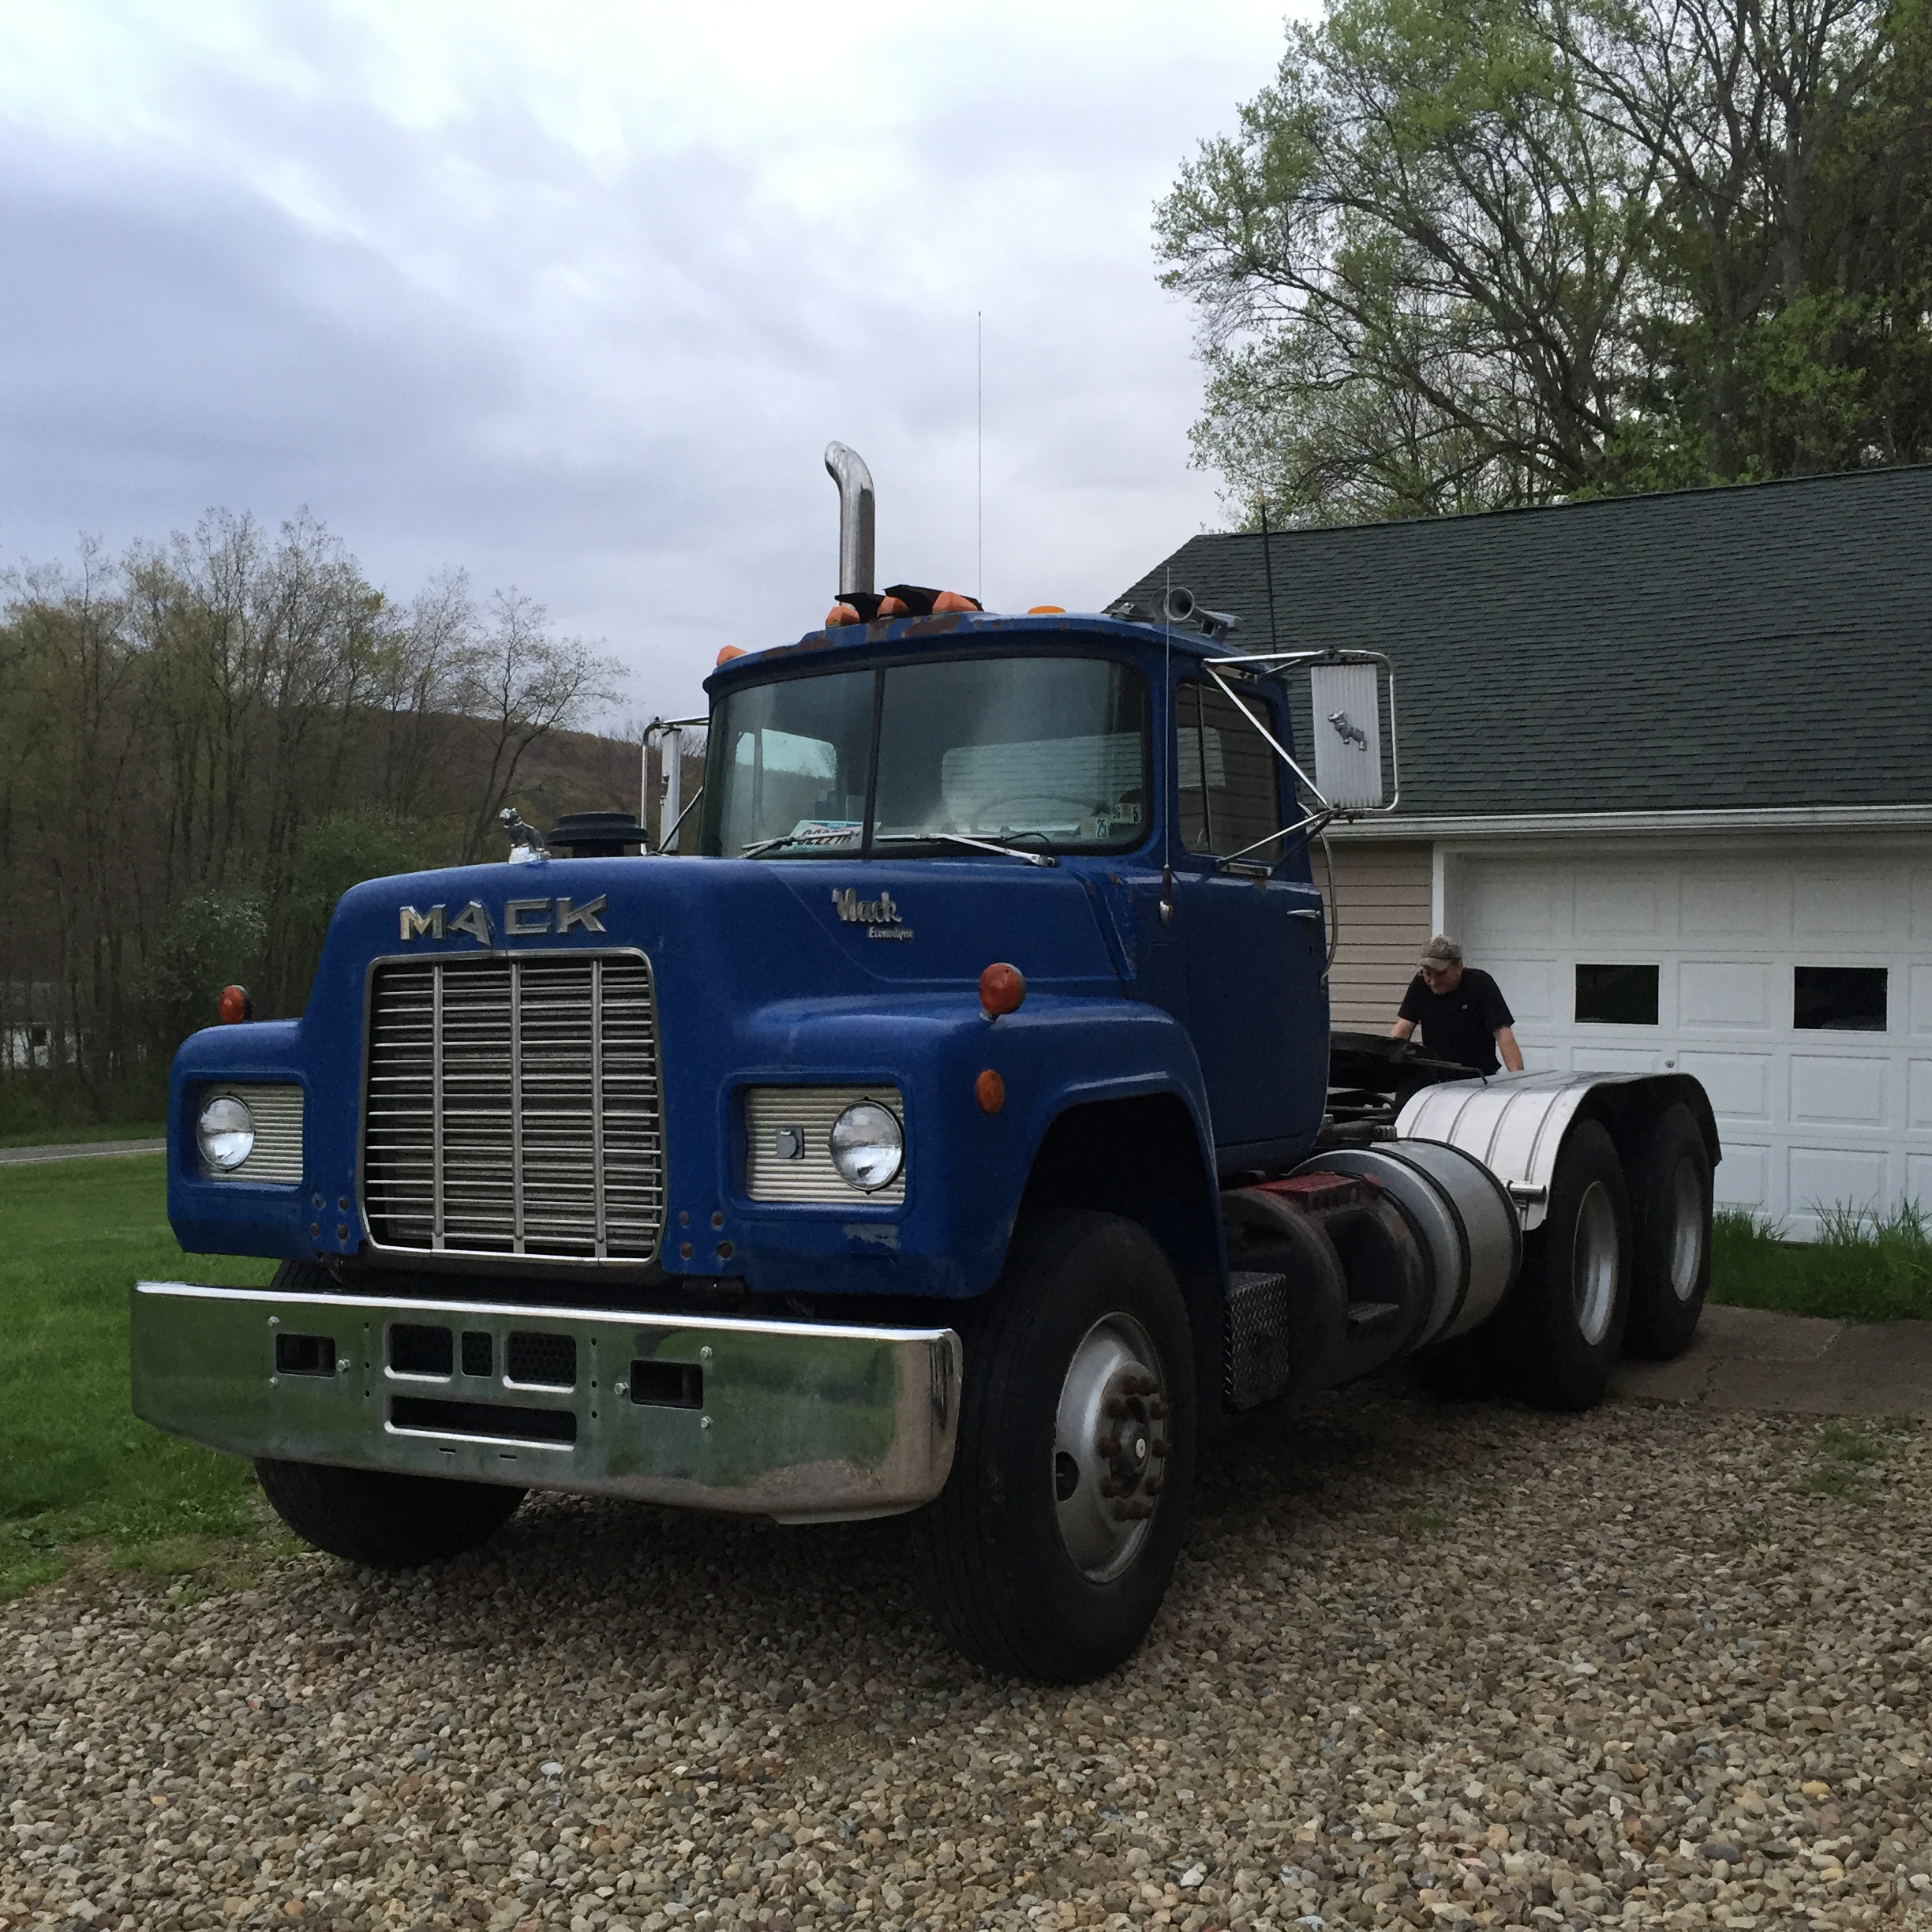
1793	978
1664	771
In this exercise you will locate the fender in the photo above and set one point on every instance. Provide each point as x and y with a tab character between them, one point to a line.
1514	1124
967	1171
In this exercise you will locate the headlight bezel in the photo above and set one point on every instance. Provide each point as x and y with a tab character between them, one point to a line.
218	1144
855	1146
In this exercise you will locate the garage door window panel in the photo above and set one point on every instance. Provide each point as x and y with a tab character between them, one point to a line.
1616	995
1838	999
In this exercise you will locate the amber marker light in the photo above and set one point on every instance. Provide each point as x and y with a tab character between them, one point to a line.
989	1091
841	614
892	607
1047	610
948	601
728	652
1002	989
234	1005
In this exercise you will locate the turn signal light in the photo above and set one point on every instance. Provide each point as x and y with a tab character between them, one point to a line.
989	1091
1002	989
234	1005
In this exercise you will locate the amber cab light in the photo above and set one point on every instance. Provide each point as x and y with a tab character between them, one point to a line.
1047	610
1002	989
989	1091
234	1005
948	600
728	652
841	614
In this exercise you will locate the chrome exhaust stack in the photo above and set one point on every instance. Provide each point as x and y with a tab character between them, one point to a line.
847	469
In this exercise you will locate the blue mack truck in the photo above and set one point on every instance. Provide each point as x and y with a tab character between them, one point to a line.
959	1134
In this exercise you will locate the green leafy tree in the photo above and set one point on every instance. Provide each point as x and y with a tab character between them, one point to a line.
1525	250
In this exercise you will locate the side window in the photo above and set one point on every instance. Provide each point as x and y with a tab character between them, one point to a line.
1226	777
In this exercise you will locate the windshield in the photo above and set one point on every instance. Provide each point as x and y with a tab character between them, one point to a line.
1051	753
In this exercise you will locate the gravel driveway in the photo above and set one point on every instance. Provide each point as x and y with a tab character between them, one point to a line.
1421	1664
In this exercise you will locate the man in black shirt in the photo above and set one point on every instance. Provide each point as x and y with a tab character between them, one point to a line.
1461	1010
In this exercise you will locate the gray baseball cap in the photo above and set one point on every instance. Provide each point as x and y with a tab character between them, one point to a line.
1442	951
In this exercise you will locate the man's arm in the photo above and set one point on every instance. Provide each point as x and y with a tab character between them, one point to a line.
1402	1029
1507	1046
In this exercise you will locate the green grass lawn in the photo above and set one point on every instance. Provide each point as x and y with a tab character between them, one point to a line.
81	1137
1863	1270
77	1470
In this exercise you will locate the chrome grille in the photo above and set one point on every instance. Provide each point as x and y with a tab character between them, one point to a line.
512	1107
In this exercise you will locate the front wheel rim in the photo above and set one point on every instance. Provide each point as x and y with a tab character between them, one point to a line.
1593	1263
1687	1209
1110	1446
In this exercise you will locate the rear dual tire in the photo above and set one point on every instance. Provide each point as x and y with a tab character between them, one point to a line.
1672	1214
1559	1333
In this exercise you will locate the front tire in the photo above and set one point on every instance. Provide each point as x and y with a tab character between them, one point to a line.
387	1520
1672	1216
1049	1551
1563	1325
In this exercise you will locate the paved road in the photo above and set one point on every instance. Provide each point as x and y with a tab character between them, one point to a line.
30	1156
1794	1365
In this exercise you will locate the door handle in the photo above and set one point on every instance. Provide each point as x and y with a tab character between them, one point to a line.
1309	913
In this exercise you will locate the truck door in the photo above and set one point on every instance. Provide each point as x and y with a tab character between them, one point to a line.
1250	927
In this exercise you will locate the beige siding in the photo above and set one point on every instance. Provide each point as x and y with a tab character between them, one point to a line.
1382	890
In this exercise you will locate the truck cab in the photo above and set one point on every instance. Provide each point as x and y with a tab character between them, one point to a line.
951	1136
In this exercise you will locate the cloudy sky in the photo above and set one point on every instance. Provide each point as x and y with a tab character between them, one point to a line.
574	295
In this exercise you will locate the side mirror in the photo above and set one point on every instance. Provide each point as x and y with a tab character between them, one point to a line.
1346	705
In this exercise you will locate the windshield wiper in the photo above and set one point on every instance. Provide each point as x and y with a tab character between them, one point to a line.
960	838
791	838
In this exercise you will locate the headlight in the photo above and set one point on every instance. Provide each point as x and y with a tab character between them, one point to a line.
868	1146
226	1132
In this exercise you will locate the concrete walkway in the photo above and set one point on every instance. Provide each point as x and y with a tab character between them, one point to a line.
85	1150
1755	1358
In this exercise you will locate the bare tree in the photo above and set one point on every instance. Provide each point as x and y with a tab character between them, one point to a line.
521	684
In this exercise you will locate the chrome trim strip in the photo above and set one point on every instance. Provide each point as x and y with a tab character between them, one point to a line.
597	1100
436	1098
801	1421
516	1102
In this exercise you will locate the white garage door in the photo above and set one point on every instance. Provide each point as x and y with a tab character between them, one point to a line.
1796	985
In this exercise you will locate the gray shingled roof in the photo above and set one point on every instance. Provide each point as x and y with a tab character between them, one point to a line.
1765	645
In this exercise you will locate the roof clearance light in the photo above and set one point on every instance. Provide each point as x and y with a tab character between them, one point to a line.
234	1005
892	607
841	614
728	652
1047	610
954	600
1002	989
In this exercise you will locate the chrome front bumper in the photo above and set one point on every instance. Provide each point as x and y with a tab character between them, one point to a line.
789	1420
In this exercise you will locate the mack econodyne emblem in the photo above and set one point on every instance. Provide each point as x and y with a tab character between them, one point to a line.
523	918
880	916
